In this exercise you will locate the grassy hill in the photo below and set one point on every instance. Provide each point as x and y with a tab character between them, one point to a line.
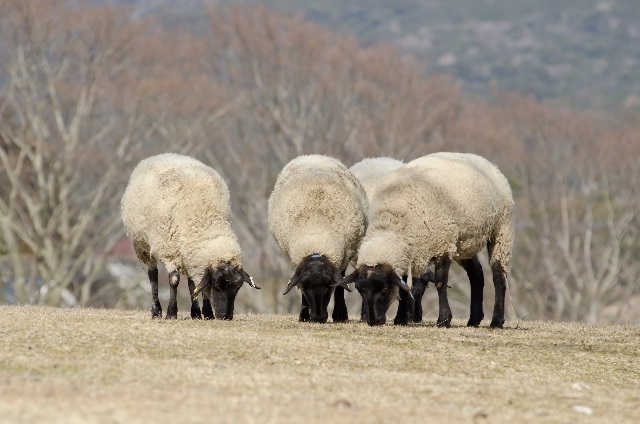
61	365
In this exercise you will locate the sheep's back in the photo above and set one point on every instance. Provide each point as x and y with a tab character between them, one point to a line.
407	222
172	201
471	191
369	171
317	204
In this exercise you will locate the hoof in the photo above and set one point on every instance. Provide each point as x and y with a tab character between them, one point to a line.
399	321
207	311
444	322
341	316
156	313
195	313
497	324
305	315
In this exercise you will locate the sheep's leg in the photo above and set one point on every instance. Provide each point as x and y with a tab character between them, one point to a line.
195	307
403	300
207	310
418	288
500	284
305	314
172	308
340	313
156	308
364	316
441	278
476	280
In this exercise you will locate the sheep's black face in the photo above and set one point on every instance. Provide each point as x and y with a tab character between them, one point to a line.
378	285
221	286
316	276
224	290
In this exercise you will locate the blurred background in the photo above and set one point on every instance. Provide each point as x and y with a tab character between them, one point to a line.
547	90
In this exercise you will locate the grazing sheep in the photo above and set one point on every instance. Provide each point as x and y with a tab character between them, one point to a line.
369	172
176	210
438	208
318	216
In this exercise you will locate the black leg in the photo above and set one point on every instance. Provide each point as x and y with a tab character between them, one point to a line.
500	284
207	310
156	308
195	307
364	316
305	314
476	280
442	277
401	315
340	313
172	308
418	288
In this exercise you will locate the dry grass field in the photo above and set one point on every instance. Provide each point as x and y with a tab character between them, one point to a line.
87	365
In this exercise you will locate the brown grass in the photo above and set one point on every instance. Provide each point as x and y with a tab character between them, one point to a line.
84	365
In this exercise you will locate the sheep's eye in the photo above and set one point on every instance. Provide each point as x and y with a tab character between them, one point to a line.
385	290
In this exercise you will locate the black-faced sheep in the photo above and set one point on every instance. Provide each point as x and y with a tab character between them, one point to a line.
318	216
370	172
176	210
439	208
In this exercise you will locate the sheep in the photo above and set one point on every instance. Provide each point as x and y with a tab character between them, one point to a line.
317	214
176	210
369	172
437	208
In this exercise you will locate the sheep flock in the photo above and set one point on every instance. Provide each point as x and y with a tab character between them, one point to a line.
396	226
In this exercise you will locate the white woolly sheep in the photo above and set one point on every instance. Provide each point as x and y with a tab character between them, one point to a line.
438	208
318	216
176	210
370	171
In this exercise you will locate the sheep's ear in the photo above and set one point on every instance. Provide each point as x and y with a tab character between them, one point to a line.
204	283
344	282
338	282
248	279
399	282
292	282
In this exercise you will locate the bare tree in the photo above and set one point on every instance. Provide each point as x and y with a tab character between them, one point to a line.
66	141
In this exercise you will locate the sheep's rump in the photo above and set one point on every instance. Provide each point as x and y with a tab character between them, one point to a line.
175	207
370	171
318	206
441	204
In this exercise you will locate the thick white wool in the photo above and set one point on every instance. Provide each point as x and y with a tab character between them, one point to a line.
370	171
443	204
176	210
318	206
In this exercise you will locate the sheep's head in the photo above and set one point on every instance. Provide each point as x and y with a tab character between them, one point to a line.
316	277
378	285
221	286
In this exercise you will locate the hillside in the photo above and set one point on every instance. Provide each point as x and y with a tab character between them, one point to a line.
581	52
86	365
584	53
